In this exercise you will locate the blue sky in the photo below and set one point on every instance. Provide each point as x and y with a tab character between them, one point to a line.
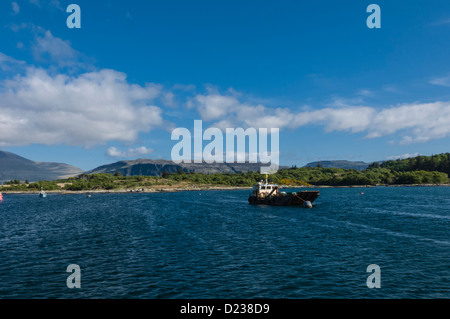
116	88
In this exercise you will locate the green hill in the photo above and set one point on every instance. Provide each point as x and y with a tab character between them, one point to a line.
434	163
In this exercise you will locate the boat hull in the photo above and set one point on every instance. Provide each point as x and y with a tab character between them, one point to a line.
288	199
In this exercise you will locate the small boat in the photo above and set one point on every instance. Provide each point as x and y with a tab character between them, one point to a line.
42	193
269	194
1	197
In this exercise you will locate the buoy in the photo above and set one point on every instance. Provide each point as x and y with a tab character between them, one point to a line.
307	204
362	193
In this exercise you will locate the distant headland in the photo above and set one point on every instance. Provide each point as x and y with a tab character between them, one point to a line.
421	170
160	175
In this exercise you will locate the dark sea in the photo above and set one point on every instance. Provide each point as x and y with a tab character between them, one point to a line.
213	244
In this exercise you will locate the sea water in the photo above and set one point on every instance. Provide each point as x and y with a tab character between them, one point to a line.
213	244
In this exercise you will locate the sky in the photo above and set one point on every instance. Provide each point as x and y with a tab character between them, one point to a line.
117	87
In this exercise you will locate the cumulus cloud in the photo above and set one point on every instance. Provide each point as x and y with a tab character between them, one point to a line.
215	106
353	119
421	121
56	106
415	122
230	112
132	152
88	109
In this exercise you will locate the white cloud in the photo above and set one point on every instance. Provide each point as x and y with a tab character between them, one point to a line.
442	81
229	112
168	99
8	63
415	122
49	106
15	8
403	156
50	49
215	106
89	109
421	121
232	113
132	152
354	119
418	122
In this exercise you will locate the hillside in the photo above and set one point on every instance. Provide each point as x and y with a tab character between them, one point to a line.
148	167
360	166
13	167
437	163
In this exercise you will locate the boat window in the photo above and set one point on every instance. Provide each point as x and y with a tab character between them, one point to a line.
263	187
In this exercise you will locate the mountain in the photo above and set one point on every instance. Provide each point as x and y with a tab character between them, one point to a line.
360	166
13	166
157	167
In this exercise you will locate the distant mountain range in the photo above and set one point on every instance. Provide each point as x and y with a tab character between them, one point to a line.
13	166
360	166
157	167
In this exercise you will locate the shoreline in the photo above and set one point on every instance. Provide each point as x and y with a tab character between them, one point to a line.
128	191
202	188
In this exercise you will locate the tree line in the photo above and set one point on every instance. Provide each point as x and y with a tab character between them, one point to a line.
419	170
437	163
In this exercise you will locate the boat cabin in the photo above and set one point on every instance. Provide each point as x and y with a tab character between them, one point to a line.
264	189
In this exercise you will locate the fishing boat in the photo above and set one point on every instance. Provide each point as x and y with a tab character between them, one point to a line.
42	193
270	194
